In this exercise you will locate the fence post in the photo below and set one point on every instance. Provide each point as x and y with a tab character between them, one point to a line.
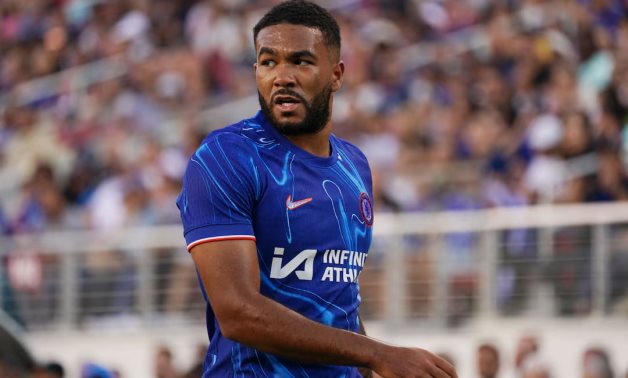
543	298
599	269
440	291
69	290
488	273
146	284
396	283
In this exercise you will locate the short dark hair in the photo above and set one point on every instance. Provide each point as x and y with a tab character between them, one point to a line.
300	12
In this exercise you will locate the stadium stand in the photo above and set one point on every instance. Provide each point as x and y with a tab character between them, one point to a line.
461	107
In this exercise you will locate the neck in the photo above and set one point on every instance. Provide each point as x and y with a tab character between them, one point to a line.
316	144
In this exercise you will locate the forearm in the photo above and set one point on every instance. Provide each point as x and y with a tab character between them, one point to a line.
271	327
365	372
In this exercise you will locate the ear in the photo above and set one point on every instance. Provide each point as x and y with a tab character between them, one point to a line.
337	75
256	56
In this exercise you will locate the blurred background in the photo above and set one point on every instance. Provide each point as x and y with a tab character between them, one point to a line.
497	131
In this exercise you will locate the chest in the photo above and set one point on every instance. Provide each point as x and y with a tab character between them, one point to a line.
307	206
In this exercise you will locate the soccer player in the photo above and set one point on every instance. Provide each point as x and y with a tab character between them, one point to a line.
277	216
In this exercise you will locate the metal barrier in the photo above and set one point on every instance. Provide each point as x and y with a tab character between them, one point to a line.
435	269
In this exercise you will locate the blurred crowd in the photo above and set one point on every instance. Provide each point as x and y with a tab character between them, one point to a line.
459	105
528	360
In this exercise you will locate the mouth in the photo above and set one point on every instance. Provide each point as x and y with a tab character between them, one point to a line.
286	103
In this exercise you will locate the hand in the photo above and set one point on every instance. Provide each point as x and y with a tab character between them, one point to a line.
398	362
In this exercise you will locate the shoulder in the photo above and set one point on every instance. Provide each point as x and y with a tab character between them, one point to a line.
226	158
237	133
229	142
351	150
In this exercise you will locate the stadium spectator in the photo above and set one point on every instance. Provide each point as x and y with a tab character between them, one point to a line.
487	359
535	367
527	348
528	361
93	370
164	364
596	364
49	370
196	370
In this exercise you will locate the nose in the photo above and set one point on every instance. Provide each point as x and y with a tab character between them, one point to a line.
284	76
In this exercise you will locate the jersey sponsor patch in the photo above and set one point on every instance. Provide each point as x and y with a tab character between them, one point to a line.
340	265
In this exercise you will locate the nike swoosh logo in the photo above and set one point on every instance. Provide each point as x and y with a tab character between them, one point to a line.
291	205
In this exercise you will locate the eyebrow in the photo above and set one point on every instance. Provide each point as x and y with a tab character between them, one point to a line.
266	50
292	55
302	54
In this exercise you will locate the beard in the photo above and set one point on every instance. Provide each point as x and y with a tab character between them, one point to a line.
317	113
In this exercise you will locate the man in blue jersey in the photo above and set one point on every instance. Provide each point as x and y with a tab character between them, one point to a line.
277	215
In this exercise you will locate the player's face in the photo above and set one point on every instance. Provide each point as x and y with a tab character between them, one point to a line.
296	75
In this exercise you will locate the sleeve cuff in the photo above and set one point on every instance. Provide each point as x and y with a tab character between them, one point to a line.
213	233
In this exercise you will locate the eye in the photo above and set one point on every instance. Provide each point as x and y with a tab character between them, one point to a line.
301	62
267	63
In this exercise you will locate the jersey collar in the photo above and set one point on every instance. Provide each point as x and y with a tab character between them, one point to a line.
298	151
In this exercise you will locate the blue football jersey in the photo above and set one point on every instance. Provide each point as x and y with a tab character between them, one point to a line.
311	218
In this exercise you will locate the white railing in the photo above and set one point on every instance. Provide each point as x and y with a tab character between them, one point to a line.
70	80
423	267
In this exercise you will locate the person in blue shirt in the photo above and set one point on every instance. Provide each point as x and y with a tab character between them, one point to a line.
278	217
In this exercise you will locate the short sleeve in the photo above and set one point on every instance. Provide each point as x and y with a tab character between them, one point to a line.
218	192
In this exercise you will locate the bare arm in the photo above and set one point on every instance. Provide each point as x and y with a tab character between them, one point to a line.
230	274
364	371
